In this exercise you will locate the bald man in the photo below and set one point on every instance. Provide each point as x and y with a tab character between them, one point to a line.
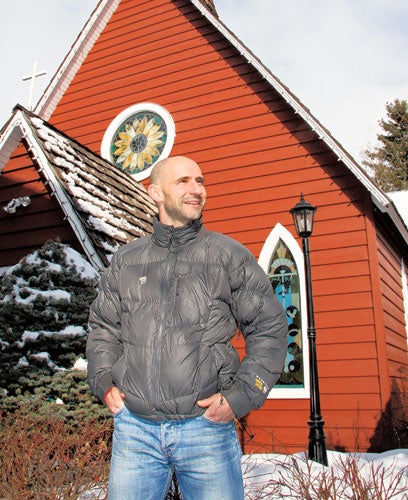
160	353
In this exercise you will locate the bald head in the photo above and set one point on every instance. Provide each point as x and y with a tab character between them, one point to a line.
167	166
177	188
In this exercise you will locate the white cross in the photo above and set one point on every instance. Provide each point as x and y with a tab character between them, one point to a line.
32	77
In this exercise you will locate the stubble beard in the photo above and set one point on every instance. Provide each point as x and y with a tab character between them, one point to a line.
192	211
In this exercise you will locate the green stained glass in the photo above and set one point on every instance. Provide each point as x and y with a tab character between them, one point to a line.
284	277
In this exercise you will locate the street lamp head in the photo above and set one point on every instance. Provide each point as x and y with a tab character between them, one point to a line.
303	215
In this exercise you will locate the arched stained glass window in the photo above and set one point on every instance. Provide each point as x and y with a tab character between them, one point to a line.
282	260
284	277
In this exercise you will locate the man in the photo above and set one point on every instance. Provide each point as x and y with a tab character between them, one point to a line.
159	350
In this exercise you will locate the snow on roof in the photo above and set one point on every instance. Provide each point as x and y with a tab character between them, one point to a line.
113	207
400	200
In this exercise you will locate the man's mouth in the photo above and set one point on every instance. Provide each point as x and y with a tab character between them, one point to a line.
195	201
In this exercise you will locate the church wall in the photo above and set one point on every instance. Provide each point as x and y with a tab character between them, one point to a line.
257	156
390	257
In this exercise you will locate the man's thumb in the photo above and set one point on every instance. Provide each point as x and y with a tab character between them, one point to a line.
204	403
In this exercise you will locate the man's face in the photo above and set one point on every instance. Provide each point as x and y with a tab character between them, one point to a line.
184	195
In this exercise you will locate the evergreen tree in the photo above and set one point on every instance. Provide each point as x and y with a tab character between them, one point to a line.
388	161
44	306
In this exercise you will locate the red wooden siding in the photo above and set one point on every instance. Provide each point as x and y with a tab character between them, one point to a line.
28	228
257	156
390	270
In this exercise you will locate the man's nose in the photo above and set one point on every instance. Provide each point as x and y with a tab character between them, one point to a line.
196	188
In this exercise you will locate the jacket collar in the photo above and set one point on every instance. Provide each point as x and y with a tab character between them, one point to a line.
173	237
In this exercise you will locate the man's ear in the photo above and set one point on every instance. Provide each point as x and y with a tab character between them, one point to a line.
155	193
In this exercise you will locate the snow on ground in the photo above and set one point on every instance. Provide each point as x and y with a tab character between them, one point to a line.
282	476
349	476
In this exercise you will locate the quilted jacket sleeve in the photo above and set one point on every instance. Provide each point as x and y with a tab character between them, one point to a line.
104	345
263	323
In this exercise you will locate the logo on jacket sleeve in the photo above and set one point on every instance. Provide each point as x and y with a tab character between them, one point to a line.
261	385
142	280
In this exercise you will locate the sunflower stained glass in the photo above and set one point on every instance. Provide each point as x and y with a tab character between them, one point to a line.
138	142
138	137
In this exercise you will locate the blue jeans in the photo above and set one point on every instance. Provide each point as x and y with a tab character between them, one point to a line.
205	456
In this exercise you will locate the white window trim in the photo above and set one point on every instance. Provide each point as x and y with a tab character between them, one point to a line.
142	106
279	232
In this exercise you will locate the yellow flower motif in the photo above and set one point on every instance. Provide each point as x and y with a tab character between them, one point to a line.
138	143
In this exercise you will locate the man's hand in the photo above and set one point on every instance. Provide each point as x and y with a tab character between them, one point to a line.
218	408
114	400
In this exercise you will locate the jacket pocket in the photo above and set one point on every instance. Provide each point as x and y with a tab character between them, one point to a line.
227	363
119	370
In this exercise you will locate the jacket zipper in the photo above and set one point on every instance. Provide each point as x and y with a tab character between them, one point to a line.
165	287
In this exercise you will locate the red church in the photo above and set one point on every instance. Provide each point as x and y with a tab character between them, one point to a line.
146	79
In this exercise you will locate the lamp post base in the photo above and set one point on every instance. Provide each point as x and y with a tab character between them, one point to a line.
317	443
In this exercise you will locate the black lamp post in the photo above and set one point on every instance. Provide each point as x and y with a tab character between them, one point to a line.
303	215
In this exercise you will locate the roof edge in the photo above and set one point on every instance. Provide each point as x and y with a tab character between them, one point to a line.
382	202
73	60
10	137
393	212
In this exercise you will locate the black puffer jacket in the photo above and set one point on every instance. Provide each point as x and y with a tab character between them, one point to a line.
161	325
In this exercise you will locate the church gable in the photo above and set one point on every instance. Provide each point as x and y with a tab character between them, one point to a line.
103	207
225	103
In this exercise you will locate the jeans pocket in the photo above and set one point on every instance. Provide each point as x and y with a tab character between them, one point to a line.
213	422
119	412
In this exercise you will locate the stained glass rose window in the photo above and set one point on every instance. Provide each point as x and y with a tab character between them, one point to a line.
138	142
138	138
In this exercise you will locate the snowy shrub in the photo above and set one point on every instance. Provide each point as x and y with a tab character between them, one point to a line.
44	306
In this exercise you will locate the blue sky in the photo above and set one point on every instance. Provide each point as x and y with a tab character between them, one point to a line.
343	59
